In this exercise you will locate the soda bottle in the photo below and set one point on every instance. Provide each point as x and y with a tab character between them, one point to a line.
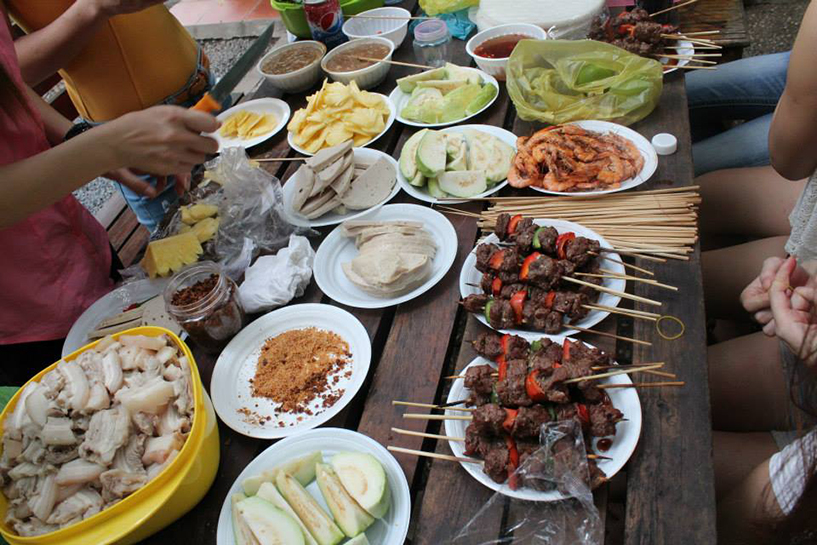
325	21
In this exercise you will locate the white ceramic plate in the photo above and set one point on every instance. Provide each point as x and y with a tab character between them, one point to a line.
230	384
337	249
274	106
643	145
400	99
389	123
684	48
390	530
422	194
470	275
624	443
368	155
107	306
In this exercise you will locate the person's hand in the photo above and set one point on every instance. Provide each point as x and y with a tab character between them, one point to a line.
132	181
109	8
755	297
163	140
792	313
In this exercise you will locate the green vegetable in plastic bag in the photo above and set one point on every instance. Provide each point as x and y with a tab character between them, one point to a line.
434	7
557	81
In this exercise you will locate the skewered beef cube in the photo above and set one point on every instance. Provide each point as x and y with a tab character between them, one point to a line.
540	318
593	355
517	367
484	253
544	344
508	290
496	462
603	418
597	476
529	421
591	392
567	412
510	260
591	293
543	359
501	227
512	393
488	419
487	345
508	277
577	249
477	399
517	348
547	240
475	302
479	379
649	32
551	382
476	443
553	322
524	236
566	267
544	273
571	304
501	314
486	283
632	17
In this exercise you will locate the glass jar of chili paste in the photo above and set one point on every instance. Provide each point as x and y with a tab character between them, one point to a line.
204	301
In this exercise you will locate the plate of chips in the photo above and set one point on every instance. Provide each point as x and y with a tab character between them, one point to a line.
251	122
337	113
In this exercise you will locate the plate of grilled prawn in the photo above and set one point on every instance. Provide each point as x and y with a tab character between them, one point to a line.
582	158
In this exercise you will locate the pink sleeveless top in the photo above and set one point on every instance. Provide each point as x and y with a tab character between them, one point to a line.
56	262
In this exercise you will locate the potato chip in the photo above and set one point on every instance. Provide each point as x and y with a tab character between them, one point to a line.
338	113
244	124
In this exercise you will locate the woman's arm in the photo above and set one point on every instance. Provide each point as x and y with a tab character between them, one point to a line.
45	51
793	133
162	140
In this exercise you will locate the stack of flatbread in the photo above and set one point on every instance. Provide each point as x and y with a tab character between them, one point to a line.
332	180
394	256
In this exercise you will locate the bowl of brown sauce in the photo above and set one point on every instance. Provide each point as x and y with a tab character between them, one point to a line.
358	61
293	67
492	47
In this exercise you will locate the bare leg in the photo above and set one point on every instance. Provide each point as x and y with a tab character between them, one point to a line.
728	270
747	201
749	500
736	455
748	388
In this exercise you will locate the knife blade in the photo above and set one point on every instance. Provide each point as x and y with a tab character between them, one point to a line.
215	97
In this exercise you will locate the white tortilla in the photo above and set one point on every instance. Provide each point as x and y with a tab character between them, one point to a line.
327	156
372	187
353	228
304	180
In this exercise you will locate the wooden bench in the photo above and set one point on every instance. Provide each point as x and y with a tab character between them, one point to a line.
728	16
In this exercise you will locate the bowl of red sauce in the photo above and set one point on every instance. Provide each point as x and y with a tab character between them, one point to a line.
492	47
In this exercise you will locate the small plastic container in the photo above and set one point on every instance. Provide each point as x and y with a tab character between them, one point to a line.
431	39
211	318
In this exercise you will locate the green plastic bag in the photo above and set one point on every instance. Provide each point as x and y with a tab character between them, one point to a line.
435	7
557	81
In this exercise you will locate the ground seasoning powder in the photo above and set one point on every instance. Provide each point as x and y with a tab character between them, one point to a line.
295	368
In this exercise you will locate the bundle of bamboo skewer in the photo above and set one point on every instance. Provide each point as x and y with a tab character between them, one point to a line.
654	224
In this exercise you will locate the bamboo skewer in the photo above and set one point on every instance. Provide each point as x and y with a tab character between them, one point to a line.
701	33
627	277
429	406
621	311
426	435
676	6
643	384
627	265
643	313
611	335
614	373
398	63
435	455
685	58
689	67
420	416
611	291
279	159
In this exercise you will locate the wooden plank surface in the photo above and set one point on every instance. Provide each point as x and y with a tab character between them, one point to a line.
728	16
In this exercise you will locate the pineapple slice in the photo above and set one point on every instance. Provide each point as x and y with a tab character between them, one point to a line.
197	212
171	254
205	229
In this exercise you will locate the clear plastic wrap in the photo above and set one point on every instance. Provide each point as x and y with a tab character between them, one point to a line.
560	464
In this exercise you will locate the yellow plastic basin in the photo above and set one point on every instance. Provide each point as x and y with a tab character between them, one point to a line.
164	499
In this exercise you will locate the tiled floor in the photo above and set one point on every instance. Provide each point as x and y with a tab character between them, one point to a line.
203	12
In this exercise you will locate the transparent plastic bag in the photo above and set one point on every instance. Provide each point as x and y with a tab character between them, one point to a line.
435	7
557	81
559	465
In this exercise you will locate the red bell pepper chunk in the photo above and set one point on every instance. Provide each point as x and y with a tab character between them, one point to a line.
503	342
584	415
496	287
626	29
495	261
513	462
517	304
503	366
532	387
523	274
551	296
510	417
513	223
561	244
566	351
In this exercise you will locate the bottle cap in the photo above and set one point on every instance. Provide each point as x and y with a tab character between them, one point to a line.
664	143
431	30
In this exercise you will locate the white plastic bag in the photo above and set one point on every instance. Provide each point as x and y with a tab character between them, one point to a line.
274	280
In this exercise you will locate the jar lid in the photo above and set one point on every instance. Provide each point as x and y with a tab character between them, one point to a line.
664	143
431	30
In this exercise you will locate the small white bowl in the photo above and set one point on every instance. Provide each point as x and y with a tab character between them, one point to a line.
496	67
395	30
368	77
301	79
